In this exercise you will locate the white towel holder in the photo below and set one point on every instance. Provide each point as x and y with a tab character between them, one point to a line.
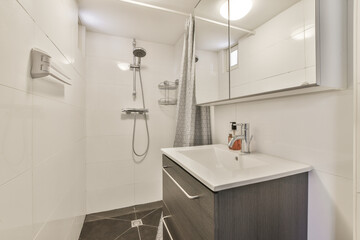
42	65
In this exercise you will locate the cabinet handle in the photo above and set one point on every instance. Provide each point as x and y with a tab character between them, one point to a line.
177	184
166	226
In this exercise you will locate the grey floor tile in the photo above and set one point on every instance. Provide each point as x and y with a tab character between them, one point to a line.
116	224
127	217
131	234
91	217
106	229
153	218
142	214
148	233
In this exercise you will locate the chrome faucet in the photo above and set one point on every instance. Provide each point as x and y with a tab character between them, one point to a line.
244	137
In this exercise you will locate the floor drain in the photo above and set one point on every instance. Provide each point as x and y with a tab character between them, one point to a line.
136	223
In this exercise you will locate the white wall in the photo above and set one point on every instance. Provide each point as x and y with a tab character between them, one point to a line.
42	147
315	129
357	120
113	179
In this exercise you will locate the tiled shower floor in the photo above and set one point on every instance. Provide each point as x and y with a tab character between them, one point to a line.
116	224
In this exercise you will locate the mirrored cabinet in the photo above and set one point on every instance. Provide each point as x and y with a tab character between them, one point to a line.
212	42
256	49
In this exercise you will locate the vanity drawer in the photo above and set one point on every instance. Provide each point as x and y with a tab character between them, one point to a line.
193	216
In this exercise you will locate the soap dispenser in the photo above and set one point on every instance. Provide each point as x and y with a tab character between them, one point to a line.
232	133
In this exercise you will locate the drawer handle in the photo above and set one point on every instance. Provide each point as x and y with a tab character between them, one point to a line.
166	226
177	184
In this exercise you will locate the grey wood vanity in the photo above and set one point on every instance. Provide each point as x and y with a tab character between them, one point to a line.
268	210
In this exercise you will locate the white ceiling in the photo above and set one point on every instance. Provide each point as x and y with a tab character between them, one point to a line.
118	18
123	19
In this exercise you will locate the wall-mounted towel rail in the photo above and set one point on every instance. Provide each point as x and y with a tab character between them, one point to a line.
42	66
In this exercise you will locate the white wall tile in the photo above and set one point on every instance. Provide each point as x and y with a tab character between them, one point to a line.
223	115
76	228
16	208
358	139
101	122
109	149
15	133
148	192
330	207
56	126
102	175
18	33
109	198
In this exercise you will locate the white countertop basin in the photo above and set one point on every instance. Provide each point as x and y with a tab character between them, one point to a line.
219	168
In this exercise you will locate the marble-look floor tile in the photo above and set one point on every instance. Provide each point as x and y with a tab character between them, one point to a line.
131	234
116	224
148	233
105	229
153	218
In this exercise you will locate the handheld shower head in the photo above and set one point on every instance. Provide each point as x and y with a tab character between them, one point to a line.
139	52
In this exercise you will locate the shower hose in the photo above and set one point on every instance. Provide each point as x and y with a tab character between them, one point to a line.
141	155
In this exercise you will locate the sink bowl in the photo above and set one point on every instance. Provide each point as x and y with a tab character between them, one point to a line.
217	157
220	168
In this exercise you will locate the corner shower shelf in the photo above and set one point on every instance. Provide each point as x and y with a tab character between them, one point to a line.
167	86
167	101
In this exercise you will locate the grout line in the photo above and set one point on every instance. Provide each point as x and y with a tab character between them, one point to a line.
26	11
62	150
17	176
134	210
47	36
149	226
34	94
149	212
122	234
332	174
139	232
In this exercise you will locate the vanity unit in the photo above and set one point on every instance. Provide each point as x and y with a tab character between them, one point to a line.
212	193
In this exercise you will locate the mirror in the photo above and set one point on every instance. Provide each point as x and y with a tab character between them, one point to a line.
212	42
281	53
271	47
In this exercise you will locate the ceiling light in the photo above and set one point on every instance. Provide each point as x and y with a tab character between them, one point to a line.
238	9
124	66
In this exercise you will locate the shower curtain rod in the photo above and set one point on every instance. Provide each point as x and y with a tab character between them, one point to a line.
186	14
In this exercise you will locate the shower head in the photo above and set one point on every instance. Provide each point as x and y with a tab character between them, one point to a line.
139	52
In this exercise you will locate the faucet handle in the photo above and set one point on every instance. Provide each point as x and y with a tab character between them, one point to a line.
233	125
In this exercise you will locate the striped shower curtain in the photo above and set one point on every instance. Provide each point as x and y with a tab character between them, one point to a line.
192	122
